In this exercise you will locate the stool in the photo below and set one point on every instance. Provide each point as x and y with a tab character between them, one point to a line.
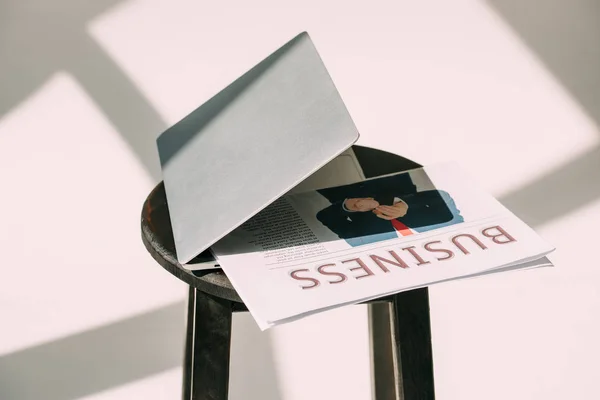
399	324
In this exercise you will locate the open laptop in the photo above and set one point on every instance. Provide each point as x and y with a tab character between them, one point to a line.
250	143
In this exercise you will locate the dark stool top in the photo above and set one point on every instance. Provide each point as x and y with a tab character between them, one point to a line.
157	233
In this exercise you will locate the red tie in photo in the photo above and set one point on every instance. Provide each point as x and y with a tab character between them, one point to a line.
401	228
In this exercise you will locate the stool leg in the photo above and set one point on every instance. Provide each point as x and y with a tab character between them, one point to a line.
208	339
383	370
188	355
412	337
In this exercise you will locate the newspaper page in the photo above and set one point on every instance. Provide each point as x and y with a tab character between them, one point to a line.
315	250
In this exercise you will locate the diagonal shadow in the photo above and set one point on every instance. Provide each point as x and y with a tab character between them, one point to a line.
40	38
97	359
564	189
564	34
120	101
127	350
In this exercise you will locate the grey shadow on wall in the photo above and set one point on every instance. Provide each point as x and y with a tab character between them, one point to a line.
565	36
128	350
40	38
37	40
97	359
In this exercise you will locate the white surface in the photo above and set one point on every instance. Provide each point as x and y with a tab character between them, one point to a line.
431	80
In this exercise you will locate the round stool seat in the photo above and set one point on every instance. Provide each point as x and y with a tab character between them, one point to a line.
157	233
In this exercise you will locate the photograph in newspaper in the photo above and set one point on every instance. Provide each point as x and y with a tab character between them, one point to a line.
340	245
385	208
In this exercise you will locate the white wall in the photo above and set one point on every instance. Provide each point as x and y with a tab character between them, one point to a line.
508	88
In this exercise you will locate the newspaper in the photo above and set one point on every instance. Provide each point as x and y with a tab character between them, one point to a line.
314	250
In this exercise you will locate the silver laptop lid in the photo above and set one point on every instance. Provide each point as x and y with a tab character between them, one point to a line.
251	143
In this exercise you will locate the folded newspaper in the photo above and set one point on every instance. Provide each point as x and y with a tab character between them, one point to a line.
350	239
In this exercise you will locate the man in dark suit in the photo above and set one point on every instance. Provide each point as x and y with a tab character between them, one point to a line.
376	210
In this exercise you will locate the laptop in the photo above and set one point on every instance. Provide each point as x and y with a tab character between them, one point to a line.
251	143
